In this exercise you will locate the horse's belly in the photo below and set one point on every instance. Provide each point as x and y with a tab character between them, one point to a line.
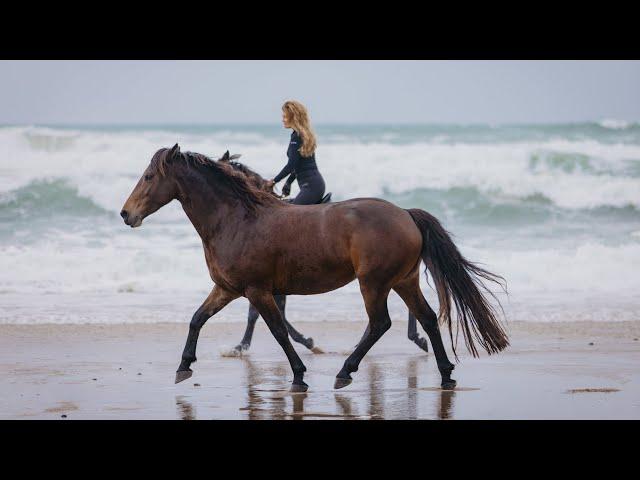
312	280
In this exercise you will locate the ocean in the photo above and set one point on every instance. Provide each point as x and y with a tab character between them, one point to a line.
555	209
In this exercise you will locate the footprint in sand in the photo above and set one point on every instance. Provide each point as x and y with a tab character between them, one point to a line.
593	390
62	407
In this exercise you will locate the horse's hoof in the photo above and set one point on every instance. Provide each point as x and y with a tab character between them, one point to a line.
446	370
422	344
448	384
317	350
341	382
299	387
182	375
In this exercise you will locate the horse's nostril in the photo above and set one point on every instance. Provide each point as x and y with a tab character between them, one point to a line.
124	214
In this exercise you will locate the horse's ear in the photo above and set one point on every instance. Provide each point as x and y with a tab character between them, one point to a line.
225	157
174	152
235	156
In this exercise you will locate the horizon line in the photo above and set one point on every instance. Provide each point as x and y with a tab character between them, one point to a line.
317	124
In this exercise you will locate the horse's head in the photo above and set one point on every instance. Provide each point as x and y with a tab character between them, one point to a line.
154	189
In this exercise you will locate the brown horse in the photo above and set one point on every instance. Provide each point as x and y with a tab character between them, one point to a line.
281	300
256	246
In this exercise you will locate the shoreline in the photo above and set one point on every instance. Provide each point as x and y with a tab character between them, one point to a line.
572	370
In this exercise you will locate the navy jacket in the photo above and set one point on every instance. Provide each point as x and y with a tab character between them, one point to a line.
297	164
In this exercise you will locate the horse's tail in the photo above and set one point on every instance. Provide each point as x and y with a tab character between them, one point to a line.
459	279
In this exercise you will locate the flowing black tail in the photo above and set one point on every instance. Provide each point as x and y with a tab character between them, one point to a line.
459	279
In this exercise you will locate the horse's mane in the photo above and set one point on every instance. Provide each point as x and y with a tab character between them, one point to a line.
232	177
255	178
244	169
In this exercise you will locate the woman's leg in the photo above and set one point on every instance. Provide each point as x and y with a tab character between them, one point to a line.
311	190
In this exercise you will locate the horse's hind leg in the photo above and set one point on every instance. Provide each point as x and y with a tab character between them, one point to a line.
245	343
267	307
216	301
412	333
375	301
296	336
409	291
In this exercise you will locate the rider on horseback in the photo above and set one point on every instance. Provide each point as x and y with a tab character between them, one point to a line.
301	154
302	165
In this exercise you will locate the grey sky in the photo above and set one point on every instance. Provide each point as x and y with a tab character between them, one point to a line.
77	92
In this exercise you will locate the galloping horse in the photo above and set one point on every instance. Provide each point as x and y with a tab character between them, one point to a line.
257	246
281	300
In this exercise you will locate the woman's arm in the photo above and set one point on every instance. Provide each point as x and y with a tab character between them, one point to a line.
286	189
284	172
294	158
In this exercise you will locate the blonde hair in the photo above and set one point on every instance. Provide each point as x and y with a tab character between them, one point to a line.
298	117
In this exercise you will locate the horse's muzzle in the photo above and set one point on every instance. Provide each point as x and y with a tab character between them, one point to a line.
133	222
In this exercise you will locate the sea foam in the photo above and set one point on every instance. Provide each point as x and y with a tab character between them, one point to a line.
557	215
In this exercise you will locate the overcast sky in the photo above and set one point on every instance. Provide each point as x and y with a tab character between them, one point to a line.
218	92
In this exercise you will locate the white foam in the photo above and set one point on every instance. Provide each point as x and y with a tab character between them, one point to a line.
588	269
106	166
126	269
232	352
614	124
164	258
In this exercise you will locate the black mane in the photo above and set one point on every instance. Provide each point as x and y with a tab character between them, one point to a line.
233	177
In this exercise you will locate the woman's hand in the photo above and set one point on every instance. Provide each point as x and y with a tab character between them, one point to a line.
271	184
286	189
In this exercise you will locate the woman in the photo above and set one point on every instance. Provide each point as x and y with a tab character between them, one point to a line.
301	165
301	153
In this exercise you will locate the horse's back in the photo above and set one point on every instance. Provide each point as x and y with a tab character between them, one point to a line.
371	214
376	234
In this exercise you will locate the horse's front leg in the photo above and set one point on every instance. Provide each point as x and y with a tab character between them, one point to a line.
216	301
266	305
412	333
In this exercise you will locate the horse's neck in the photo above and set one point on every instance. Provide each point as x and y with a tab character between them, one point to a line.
211	212
250	174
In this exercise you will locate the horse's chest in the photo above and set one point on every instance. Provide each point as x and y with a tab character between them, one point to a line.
220	273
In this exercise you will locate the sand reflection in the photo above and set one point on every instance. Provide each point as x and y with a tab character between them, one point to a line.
445	410
185	409
344	404
268	396
376	391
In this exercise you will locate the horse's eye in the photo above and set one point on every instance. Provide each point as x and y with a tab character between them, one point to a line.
148	177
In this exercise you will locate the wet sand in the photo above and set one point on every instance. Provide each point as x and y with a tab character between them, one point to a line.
577	370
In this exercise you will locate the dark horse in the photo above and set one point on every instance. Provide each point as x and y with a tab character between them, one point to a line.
281	300
256	246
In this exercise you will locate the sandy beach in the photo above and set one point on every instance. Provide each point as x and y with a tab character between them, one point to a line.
576	370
